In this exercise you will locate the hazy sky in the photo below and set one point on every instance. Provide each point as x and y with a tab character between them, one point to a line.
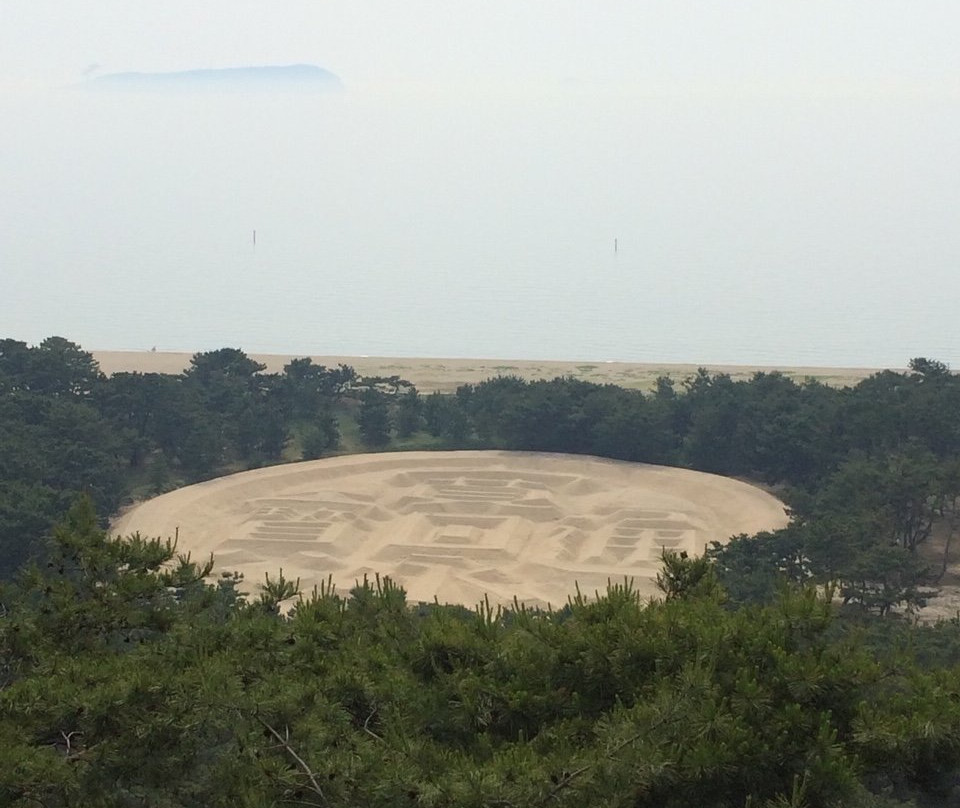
783	179
751	45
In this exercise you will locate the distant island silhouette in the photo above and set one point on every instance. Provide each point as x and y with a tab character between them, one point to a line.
299	76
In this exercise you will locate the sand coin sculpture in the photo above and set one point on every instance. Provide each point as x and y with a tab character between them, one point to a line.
457	526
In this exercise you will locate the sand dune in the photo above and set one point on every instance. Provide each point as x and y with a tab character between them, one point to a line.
457	525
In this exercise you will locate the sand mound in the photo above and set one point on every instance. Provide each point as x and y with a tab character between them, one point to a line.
456	525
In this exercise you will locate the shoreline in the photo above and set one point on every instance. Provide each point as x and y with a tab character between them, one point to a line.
430	374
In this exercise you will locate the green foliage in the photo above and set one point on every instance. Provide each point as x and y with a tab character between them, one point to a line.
409	415
870	473
309	390
445	418
52	448
753	569
70	430
867	570
223	363
242	418
683	577
320	436
373	418
56	367
274	591
901	494
126	680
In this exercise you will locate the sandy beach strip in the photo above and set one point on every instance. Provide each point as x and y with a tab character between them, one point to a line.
445	375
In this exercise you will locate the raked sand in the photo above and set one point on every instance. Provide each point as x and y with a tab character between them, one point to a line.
457	525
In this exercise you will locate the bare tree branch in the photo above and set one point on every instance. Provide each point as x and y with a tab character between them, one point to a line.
366	727
285	743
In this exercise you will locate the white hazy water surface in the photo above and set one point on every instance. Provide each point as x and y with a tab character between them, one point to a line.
803	226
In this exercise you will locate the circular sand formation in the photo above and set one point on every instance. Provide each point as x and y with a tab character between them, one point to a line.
457	525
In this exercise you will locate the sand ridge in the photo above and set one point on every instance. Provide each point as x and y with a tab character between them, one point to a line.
457	526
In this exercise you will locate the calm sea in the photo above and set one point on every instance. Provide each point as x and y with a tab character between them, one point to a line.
570	222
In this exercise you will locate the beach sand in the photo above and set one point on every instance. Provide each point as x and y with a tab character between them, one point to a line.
457	526
445	375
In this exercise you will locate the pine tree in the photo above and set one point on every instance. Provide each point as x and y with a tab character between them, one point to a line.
373	418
